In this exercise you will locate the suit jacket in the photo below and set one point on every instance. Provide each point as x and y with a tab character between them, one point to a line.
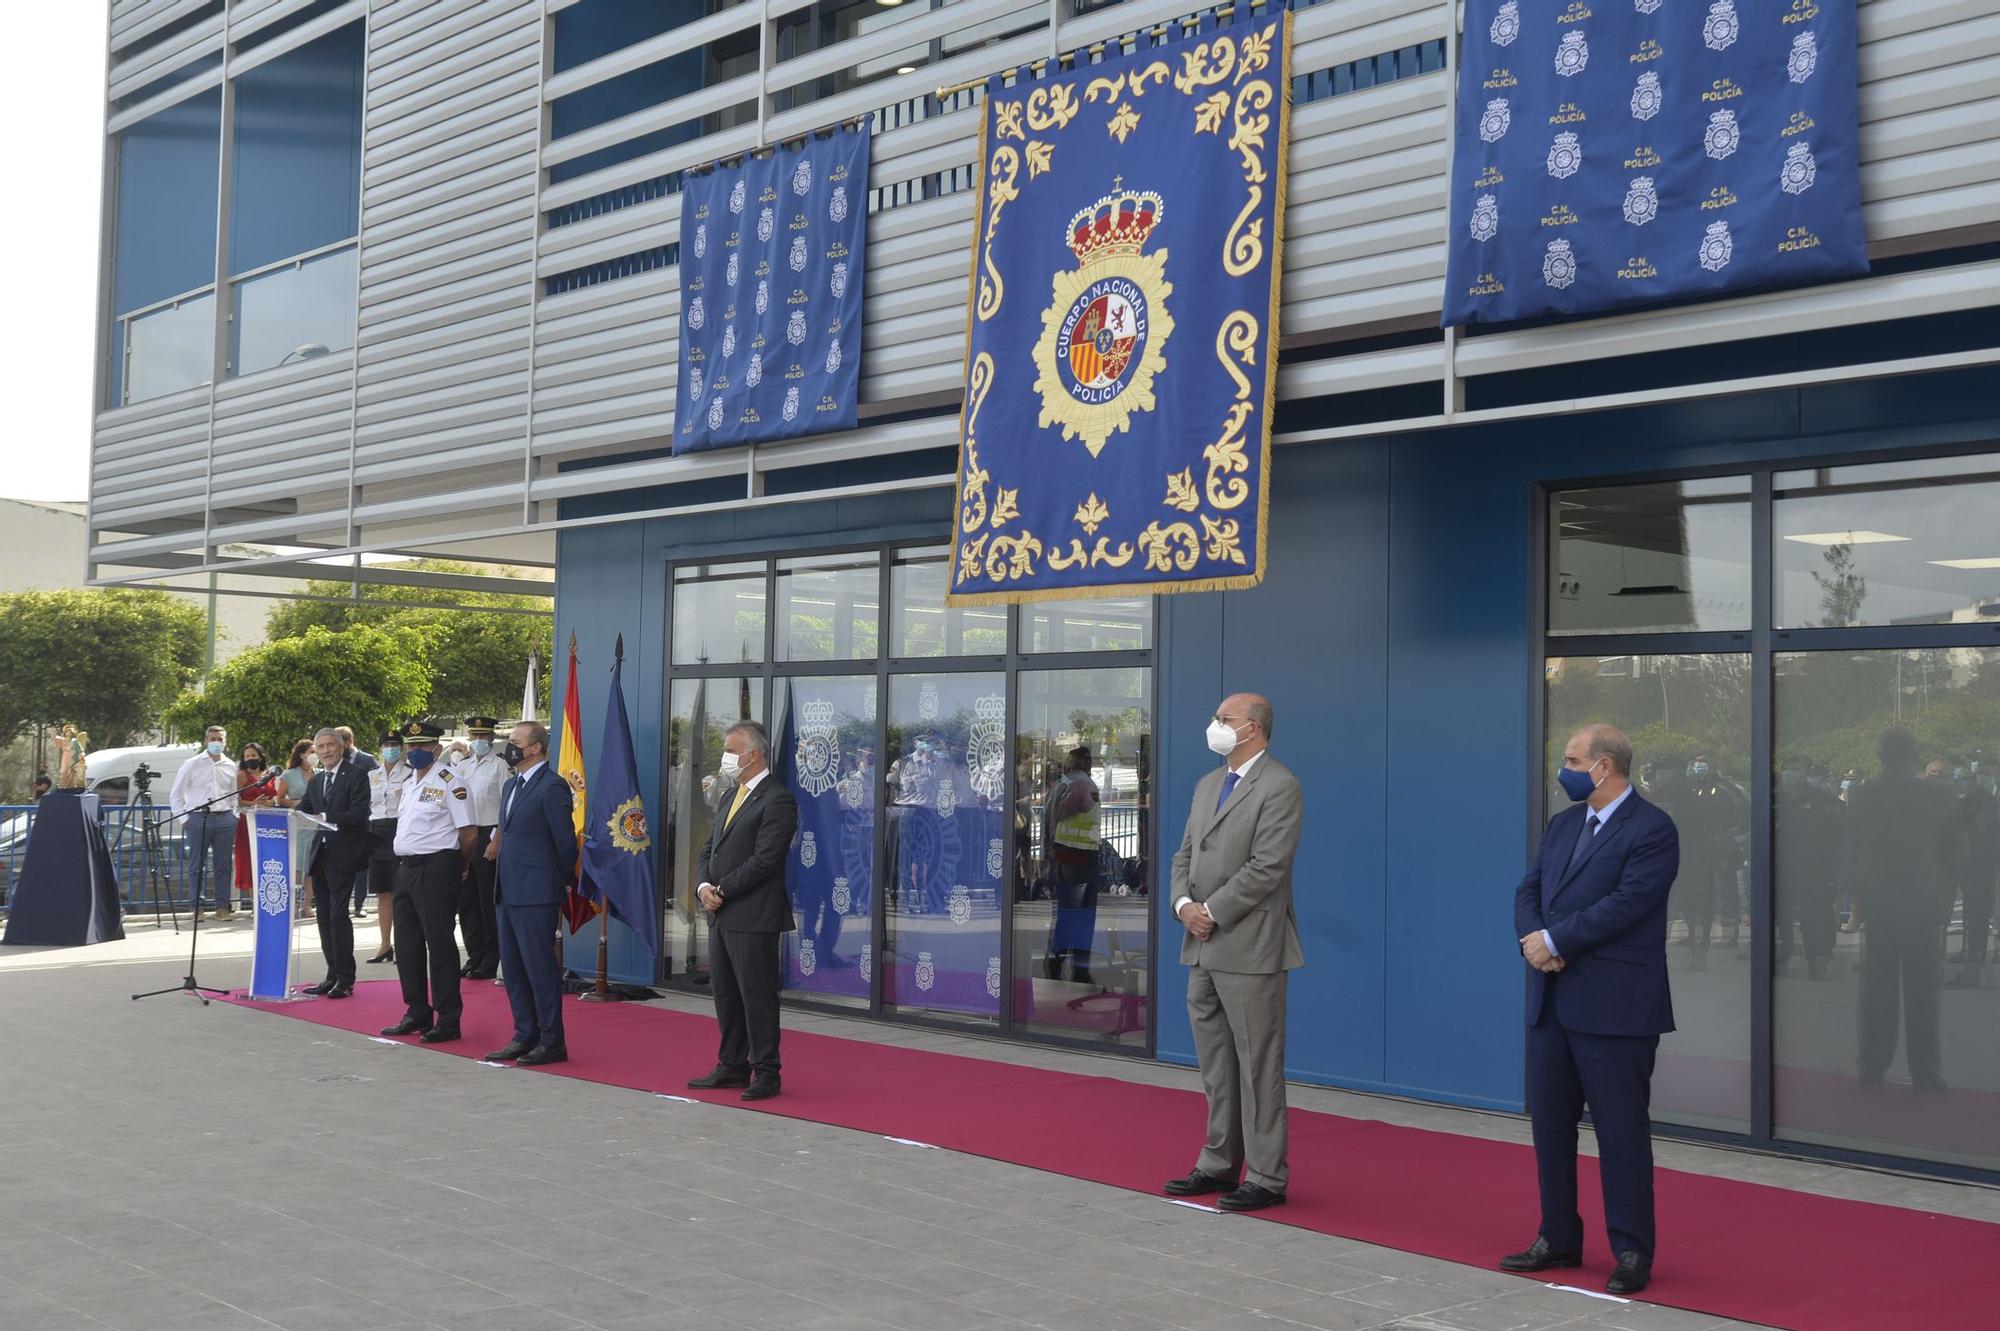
537	860
746	859
1608	916
1237	861
345	805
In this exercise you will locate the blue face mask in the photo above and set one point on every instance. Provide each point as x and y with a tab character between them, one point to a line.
391	754
421	758
482	747
215	748
1577	785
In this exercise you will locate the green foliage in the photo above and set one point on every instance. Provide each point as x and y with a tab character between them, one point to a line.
366	677
477	660
106	660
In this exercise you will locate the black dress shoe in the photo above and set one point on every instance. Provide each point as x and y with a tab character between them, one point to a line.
1634	1273
718	1079
381	957
408	1026
480	975
761	1088
543	1054
345	989
1539	1256
514	1049
440	1035
1250	1197
324	986
1197	1184
465	971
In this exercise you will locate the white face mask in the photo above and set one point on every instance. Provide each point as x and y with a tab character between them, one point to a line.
1222	738
732	763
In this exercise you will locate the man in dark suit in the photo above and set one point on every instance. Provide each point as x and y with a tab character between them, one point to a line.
338	792
742	886
1592	919
534	850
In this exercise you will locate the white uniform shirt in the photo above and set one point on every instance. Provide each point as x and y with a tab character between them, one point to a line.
385	789
483	777
435	804
201	779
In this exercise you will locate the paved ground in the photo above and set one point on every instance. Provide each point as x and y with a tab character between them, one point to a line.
165	1167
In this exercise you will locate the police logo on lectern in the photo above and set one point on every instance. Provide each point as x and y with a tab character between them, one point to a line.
1104	335
272	890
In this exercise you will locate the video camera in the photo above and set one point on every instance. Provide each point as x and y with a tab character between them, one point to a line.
142	779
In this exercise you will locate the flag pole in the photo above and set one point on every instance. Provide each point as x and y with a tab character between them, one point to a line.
601	991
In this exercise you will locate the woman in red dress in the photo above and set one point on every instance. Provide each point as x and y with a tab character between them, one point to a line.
256	785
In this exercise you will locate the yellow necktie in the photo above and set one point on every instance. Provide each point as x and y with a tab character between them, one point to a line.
742	793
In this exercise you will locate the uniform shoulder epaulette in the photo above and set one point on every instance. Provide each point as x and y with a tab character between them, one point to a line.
444	774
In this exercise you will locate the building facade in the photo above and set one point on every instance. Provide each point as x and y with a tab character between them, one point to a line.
400	275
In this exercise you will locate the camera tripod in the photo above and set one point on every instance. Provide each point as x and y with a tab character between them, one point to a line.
188	984
152	854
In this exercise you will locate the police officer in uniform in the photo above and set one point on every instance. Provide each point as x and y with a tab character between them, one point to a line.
434	839
484	773
385	793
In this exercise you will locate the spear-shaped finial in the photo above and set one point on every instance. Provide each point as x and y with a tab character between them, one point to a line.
618	653
572	642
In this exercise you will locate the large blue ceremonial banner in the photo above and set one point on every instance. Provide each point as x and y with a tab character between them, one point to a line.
274	873
771	272
1613	153
1123	330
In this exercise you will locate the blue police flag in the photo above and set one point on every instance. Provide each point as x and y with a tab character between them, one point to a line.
617	866
1123	323
1612	153
771	272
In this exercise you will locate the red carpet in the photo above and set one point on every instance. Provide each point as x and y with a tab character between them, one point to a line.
1738	1250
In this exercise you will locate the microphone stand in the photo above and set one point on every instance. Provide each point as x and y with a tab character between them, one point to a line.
187	984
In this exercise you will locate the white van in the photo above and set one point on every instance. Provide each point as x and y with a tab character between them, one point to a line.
107	773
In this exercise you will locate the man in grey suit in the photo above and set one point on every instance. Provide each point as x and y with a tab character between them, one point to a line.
1233	894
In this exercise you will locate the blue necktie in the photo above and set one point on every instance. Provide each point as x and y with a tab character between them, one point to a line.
1228	784
1583	841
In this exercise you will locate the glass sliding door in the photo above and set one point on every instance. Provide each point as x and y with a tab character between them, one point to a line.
825	751
699	713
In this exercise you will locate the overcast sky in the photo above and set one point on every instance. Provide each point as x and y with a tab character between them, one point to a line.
53	97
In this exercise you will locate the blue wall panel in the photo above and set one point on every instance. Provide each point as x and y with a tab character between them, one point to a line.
166	203
297	174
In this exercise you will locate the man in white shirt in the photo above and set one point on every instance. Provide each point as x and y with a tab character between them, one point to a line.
484	772
209	779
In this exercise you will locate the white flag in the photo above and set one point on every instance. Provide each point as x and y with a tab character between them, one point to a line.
528	691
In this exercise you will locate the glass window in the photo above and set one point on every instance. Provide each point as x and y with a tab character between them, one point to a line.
826	751
1118	624
1888	543
718	613
170	349
1671	557
923	625
1887	851
165	230
829	607
699	712
296	183
1082	822
947	844
295	313
1689	721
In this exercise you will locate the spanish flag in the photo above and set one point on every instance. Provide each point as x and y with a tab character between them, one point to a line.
578	910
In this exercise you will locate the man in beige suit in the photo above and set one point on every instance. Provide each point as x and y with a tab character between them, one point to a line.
1232	891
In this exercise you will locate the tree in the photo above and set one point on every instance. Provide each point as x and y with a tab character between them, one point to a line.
478	660
366	677
106	660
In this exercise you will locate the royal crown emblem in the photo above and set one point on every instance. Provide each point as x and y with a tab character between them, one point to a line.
808	959
797	257
790	411
736	197
986	748
1804	57
753	373
728	341
1565	156
1642	201
832	357
767	223
1646	96
1494	120
1485	218
1717	247
795	328
1647	6
1572	55
993	977
926	972
1720	28
273	892
1559	265
927	701
802	177
763	301
1723	135
1506	25
947	797
694	382
733	269
843	898
960	905
701	240
1104	335
1799	172
836	207
837	280
996	857
715	412
627	826
867	963
697	316
816	756
808	850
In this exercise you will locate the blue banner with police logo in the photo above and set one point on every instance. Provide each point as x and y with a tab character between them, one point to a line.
1123	323
1613	153
771	272
272	873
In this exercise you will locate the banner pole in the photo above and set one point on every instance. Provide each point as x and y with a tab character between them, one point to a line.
601	992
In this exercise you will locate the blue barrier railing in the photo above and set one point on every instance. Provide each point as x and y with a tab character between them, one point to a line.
148	875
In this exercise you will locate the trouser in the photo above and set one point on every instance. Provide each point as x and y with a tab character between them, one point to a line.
533	970
1899	970
1613	1075
362	882
475	910
426	900
1239	1039
336	931
1978	885
1812	904
743	974
211	854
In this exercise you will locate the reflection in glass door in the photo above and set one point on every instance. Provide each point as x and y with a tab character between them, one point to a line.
699	713
826	754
